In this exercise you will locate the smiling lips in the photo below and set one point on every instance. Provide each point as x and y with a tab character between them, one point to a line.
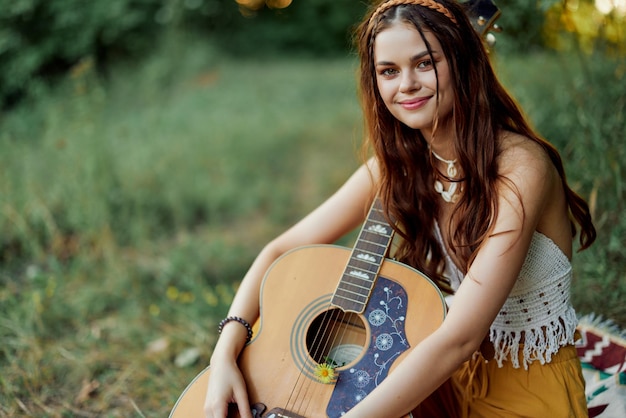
413	104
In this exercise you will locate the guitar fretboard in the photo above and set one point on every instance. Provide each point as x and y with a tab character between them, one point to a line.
359	277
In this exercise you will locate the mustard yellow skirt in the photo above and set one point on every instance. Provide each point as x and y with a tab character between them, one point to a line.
481	389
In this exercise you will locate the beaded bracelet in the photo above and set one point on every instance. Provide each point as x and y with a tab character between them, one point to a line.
236	319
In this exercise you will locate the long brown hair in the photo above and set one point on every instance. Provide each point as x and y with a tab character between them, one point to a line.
482	109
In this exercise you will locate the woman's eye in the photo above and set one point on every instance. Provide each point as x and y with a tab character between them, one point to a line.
388	72
425	64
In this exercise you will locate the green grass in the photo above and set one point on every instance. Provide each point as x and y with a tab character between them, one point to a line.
131	207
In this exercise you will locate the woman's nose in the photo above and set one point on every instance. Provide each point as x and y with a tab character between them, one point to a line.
409	82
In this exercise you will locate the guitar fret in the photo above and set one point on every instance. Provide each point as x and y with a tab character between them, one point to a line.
377	225
363	265
359	274
372	237
376	229
376	214
357	288
348	304
374	247
366	257
364	270
373	242
351	296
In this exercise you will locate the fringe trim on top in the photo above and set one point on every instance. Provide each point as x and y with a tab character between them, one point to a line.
538	344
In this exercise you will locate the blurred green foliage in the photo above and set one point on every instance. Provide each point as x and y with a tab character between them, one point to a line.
522	22
41	40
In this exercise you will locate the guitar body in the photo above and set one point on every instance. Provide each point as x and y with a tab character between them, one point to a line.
299	329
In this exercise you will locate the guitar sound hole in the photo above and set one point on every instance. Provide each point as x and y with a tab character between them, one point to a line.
336	337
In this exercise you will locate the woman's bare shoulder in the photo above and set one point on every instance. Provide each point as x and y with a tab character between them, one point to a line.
523	157
526	164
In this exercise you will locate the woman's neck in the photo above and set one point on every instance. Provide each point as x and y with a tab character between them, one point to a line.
440	141
441	147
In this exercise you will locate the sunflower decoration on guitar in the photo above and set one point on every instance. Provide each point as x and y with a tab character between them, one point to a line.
325	373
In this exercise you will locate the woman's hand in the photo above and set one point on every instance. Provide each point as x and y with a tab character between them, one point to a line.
226	386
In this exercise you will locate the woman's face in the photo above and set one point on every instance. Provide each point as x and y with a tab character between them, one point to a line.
406	79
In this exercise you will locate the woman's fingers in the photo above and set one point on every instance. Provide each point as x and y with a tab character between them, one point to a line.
241	399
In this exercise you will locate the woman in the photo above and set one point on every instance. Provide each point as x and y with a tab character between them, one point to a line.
482	206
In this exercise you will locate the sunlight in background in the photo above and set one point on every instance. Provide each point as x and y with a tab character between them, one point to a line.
607	6
593	25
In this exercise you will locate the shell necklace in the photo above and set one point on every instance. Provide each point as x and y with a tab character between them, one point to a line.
450	194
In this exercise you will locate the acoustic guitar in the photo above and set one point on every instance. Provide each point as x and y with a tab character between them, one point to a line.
334	322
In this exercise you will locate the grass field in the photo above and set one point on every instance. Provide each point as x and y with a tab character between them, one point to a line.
131	206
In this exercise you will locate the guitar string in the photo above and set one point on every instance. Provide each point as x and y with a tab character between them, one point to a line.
331	318
320	346
338	323
295	396
332	329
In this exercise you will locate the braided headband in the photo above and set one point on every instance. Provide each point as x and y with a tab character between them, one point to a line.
431	4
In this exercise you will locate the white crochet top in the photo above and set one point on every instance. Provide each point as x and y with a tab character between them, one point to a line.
537	317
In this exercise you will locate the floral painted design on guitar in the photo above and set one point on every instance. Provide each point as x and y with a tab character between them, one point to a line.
385	313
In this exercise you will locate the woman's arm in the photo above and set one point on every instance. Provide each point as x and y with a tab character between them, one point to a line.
483	291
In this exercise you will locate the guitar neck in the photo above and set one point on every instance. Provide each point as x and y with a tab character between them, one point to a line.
358	279
483	15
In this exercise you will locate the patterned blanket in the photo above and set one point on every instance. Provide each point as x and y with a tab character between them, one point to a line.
602	351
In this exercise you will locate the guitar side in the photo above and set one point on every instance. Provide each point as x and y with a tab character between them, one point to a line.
279	365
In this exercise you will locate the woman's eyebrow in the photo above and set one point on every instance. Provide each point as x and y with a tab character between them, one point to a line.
414	58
